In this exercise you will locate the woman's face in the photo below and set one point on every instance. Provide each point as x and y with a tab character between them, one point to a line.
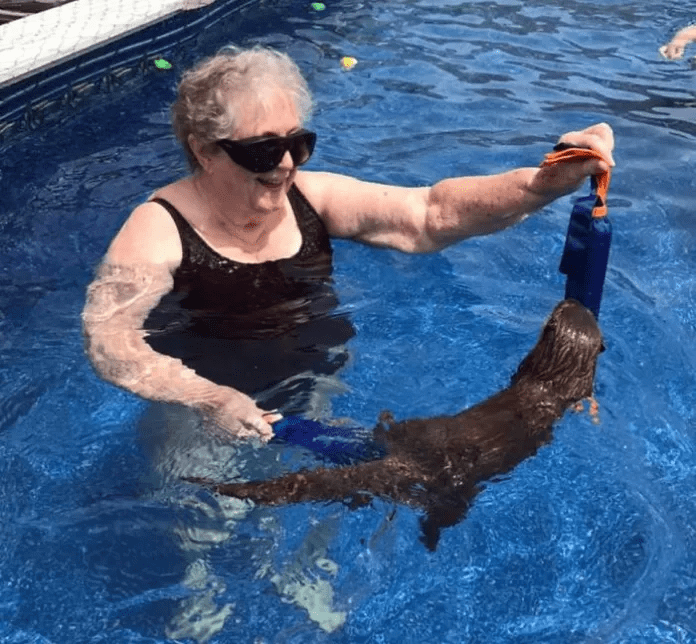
259	194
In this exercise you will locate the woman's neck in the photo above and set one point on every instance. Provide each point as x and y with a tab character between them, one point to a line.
232	220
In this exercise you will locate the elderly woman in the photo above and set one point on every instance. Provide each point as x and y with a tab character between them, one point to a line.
216	292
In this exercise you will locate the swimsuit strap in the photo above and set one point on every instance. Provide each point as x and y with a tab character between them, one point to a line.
189	237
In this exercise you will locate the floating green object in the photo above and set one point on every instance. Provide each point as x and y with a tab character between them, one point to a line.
318	6
160	63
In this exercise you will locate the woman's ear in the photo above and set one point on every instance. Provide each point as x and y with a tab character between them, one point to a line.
202	152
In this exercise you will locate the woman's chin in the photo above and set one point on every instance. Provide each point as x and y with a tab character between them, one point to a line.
271	198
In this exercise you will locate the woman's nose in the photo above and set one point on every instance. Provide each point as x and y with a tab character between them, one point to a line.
286	163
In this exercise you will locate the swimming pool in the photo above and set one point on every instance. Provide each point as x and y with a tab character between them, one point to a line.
592	540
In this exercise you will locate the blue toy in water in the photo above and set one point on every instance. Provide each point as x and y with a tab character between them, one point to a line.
586	251
339	444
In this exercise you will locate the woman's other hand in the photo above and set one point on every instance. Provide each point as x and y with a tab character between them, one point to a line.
239	417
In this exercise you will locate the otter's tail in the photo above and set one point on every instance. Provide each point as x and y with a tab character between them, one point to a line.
356	484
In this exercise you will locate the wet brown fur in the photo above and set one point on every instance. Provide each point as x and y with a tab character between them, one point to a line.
437	464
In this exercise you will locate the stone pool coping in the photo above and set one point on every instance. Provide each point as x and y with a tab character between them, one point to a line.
40	41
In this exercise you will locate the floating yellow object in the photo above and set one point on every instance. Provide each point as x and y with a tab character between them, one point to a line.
348	62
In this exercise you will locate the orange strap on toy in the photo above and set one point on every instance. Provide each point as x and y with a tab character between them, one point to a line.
563	153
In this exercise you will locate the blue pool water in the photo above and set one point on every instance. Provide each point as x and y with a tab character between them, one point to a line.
592	540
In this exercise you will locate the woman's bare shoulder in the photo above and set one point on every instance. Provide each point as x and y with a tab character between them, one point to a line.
149	235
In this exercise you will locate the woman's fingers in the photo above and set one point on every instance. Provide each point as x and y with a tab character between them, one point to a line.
598	137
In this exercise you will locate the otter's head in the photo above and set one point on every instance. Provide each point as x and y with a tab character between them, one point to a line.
564	358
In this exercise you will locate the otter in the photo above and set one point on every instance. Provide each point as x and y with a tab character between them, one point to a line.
438	464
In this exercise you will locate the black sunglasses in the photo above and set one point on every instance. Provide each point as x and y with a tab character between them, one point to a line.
261	154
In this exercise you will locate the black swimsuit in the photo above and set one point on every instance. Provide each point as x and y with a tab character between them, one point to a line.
253	326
